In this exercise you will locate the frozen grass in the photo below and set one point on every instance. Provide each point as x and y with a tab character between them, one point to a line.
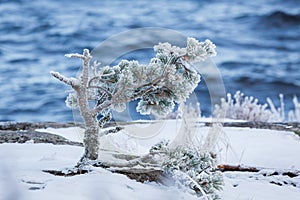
247	108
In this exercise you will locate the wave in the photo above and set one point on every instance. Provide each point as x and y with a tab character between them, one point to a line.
280	19
287	84
237	64
23	60
270	82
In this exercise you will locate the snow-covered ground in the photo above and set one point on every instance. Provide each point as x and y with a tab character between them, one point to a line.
21	166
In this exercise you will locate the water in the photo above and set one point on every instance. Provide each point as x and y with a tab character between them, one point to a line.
257	41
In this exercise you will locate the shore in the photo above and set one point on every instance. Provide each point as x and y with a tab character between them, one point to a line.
26	149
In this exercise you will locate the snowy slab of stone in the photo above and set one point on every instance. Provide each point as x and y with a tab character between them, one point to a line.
22	164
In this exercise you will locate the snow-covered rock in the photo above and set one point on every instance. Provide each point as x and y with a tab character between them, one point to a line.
21	166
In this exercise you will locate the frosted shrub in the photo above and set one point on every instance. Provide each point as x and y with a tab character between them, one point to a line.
294	115
278	115
194	169
242	107
166	80
189	111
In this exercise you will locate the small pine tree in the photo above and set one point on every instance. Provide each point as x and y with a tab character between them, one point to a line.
166	80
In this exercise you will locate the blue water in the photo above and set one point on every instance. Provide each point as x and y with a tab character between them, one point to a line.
258	44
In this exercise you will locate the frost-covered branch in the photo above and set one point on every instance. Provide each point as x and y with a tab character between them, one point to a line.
184	177
138	162
94	67
194	169
199	51
73	82
75	55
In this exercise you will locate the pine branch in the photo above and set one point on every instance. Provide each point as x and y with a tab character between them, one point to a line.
75	55
182	175
100	88
73	82
85	56
99	108
145	161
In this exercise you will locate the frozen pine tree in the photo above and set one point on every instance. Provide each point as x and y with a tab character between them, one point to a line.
166	80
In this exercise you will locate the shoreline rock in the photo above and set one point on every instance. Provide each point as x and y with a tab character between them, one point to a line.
15	126
23	136
21	132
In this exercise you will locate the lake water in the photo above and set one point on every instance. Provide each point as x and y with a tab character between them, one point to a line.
258	45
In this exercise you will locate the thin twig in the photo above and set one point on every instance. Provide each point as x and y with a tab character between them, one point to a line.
73	82
75	55
95	65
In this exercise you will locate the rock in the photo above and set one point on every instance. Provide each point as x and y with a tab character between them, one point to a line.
14	126
23	136
280	126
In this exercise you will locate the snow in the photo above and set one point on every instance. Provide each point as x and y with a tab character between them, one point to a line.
74	134
262	148
21	166
245	186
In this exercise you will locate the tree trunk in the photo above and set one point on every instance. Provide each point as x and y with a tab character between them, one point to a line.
91	141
